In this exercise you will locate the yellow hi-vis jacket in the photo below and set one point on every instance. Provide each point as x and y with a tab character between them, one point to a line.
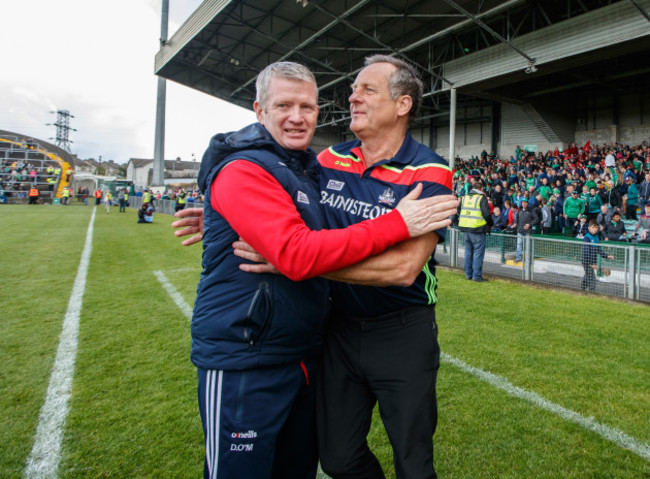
470	212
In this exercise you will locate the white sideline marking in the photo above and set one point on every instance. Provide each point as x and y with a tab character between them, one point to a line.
187	311
174	294
181	270
43	461
611	434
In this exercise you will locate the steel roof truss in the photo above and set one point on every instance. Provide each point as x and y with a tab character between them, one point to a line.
489	30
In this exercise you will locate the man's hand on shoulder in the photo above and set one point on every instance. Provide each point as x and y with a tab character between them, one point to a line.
428	214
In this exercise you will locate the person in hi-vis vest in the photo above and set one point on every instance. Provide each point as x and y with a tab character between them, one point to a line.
475	220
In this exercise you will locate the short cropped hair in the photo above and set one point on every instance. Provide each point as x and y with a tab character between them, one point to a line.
403	81
593	223
288	70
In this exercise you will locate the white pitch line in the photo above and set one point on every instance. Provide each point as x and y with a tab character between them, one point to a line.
611	434
43	461
187	311
174	294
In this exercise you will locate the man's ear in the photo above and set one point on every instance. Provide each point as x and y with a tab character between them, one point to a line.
404	105
259	112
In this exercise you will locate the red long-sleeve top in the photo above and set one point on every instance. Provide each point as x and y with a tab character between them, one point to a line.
263	214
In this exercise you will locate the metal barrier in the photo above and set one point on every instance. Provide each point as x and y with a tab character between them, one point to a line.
546	260
558	262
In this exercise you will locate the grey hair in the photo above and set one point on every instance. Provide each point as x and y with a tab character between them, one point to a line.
288	70
403	81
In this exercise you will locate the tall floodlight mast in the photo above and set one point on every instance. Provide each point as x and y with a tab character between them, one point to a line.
63	129
159	146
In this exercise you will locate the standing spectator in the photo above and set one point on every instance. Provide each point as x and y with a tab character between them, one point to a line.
497	196
180	199
590	253
544	189
33	195
613	195
108	199
573	210
547	217
65	196
632	199
593	204
524	222
610	161
644	192
475	220
121	198
98	197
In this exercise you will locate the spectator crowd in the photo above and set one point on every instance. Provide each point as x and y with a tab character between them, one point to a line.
560	192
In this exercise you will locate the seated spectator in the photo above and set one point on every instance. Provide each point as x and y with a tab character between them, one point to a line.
615	229
605	216
582	228
145	213
499	221
642	228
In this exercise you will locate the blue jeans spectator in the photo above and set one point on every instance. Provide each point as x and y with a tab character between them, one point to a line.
520	246
474	253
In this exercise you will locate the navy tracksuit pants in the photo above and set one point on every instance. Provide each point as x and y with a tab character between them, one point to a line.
259	423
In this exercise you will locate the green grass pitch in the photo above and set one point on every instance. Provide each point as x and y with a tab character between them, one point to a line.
534	383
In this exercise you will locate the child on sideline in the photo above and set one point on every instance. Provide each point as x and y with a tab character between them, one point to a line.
590	253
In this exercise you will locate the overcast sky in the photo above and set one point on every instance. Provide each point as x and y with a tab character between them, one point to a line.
95	59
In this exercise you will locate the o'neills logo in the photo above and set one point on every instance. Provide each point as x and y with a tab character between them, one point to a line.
302	198
244	435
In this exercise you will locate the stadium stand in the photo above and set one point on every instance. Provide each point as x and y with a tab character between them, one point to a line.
29	163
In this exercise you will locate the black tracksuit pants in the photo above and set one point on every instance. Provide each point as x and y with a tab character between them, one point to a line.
391	360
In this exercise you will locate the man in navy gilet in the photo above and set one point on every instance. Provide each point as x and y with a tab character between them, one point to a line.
381	346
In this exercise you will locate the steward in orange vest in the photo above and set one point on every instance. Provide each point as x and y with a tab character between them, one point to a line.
33	196
98	196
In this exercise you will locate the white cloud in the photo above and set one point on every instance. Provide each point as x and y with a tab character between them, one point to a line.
95	59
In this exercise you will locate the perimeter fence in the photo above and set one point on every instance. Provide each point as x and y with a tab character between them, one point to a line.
547	260
558	262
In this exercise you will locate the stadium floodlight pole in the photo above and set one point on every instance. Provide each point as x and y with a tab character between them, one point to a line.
452	128
159	146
